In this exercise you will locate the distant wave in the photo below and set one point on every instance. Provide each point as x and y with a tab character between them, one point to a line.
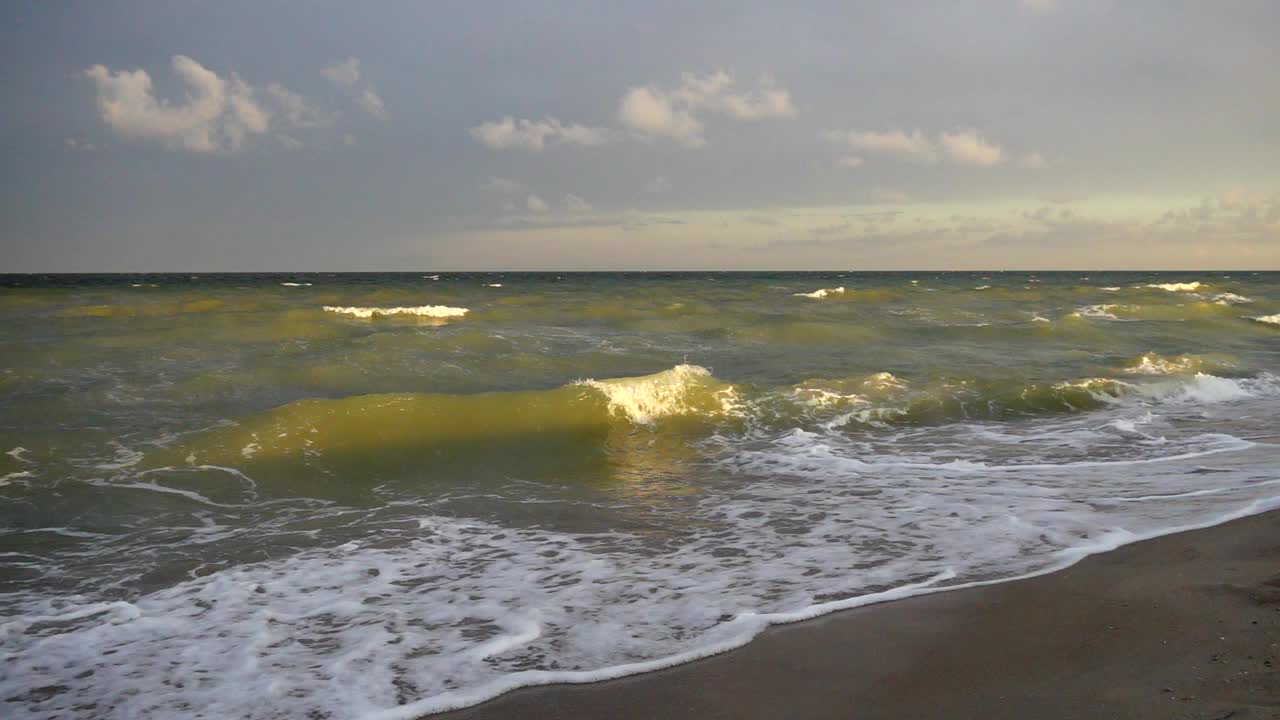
1268	319
434	311
822	293
1177	287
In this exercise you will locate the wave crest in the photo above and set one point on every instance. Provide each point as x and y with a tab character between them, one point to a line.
430	311
684	389
821	293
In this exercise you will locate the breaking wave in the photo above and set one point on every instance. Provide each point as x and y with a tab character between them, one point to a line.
429	311
821	293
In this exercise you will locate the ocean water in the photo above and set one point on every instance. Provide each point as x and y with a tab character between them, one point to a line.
385	495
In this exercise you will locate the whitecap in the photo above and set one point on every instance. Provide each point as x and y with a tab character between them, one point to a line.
434	311
822	293
1177	287
1231	299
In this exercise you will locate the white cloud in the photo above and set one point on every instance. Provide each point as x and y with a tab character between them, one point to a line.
712	92
898	143
509	133
294	109
289	143
372	103
77	144
658	185
962	146
535	204
651	111
216	115
575	204
966	147
344	73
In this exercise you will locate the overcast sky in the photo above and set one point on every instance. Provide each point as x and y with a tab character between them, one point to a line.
166	135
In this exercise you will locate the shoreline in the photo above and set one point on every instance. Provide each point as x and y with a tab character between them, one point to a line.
1185	624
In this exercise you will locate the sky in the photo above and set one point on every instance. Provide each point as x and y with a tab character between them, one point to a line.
202	135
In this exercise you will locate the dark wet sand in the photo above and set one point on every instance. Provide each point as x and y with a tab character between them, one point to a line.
1184	626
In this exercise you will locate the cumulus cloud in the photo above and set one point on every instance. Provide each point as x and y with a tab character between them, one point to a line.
372	103
346	75
509	133
651	111
966	147
962	146
898	143
216	114
294	109
535	204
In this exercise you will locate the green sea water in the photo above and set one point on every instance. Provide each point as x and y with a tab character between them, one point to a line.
434	487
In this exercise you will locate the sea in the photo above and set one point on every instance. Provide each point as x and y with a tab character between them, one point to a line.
385	495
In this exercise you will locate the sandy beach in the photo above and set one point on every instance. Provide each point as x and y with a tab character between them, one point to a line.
1183	626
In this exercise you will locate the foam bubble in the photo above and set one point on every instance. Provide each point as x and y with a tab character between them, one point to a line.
1267	319
1177	287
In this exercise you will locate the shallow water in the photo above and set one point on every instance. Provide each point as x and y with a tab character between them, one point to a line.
379	495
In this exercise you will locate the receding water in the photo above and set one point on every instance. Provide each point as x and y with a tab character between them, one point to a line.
381	495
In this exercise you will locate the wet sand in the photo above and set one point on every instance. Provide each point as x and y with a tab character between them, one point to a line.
1184	626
